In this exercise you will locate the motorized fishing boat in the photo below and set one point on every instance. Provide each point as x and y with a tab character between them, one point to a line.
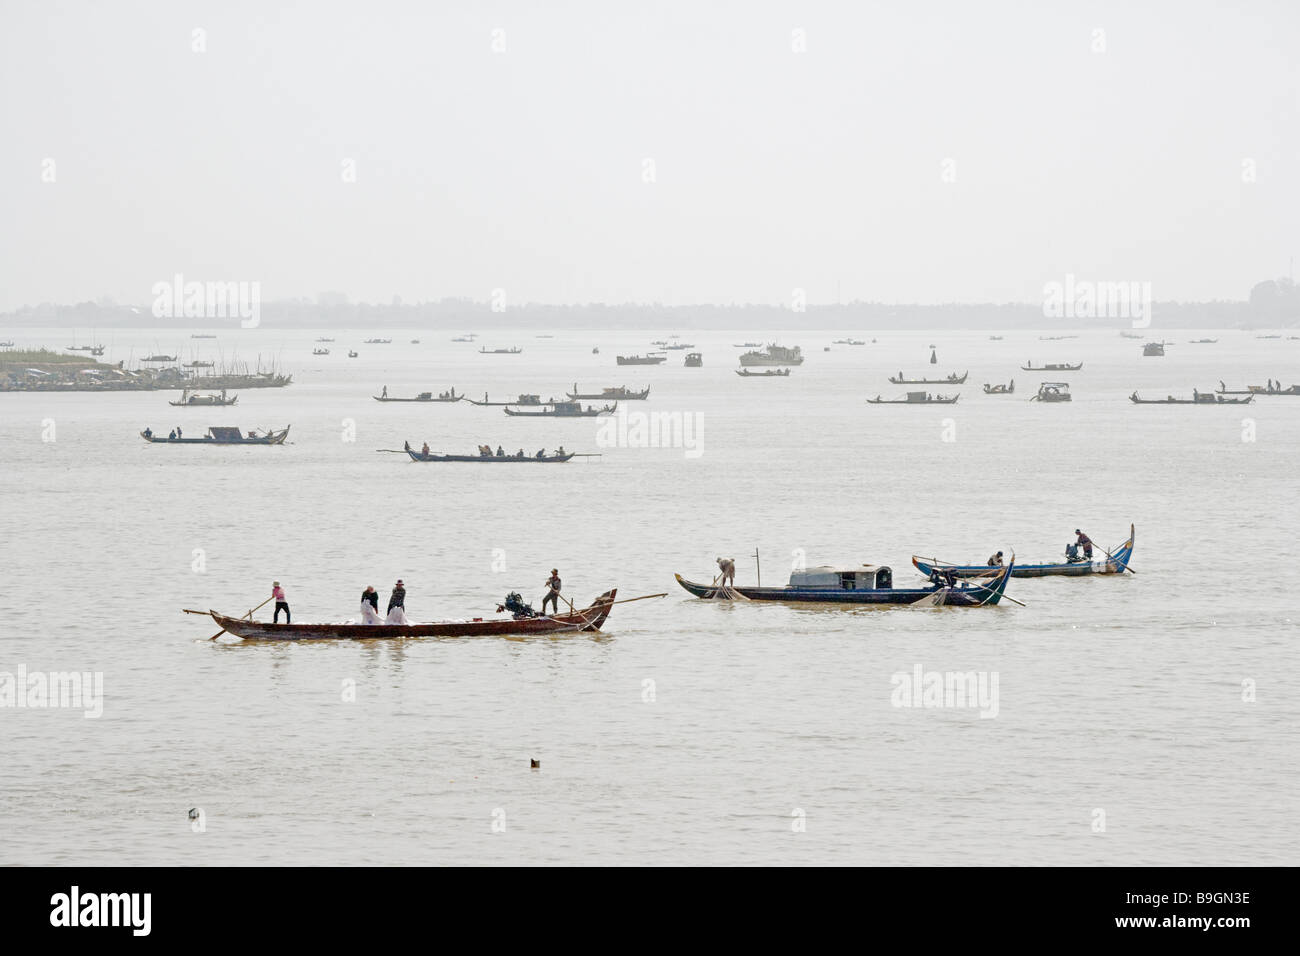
1272	389
747	345
848	342
1129	335
320	351
590	618
423	397
770	373
641	359
1052	367
1203	341
318	340
352	354
865	584
774	355
1008	389
465	338
953	379
678	347
916	398
1198	398
198	364
1154	348
606	394
488	458
159	358
92	349
565	410
203	401
203	336
1114	562
510	351
995	338
1052	392
377	342
694	360
521	400
222	436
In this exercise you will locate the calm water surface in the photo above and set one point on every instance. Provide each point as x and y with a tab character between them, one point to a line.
687	731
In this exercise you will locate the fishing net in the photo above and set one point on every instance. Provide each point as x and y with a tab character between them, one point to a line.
933	599
726	593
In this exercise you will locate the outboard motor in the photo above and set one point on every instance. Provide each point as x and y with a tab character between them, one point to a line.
514	603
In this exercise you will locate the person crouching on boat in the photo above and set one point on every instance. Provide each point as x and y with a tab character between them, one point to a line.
281	604
370	606
1084	542
552	592
397	604
728	568
995	561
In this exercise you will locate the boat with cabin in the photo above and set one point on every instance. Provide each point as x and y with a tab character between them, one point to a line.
694	360
619	393
425	397
564	410
530	400
769	373
1115	562
916	398
222	436
1008	389
774	355
189	400
1052	367
1052	392
1198	398
1154	348
641	359
953	379
320	351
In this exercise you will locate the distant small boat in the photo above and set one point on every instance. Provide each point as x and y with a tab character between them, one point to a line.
1052	392
198	364
320	351
641	359
596	350
423	397
1268	336
1203	341
532	400
415	341
916	398
489	459
953	379
1198	398
221	436
159	358
510	351
465	338
678	347
1055	338
995	338
1000	389
606	394
203	336
324	340
774	355
769	373
564	410
1273	389
748	345
196	400
694	360
1113	562
1154	348
1129	335
92	349
848	342
352	354
377	342
1052	367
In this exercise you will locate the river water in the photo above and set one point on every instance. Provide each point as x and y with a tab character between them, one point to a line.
1135	719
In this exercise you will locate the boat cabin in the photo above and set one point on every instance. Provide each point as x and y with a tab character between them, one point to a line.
529	400
868	577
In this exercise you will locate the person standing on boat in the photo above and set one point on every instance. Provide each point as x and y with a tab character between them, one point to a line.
552	592
995	561
728	569
1084	542
397	598
425	450
281	604
385	392
178	431
370	606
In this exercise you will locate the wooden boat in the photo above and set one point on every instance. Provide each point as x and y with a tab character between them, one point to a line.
995	338
1258	390
606	394
207	336
590	618
489	459
867	584
1055	338
1198	398
320	351
1154	348
318	340
678	347
774	355
159	358
193	401
953	379
1052	392
565	410
747	345
511	351
423	397
1129	335
223	436
465	338
916	398
377	342
848	342
694	360
1052	367
1203	341
535	400
1114	562
770	373
641	359
1000	389
352	354
92	349
198	365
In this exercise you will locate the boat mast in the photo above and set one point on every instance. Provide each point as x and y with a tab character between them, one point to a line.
759	567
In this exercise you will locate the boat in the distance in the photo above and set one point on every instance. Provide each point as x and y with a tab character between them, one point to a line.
1198	398
203	336
1154	348
198	364
694	360
641	359
510	351
1113	562
590	618
92	349
352	354
423	397
320	351
678	347
484	457
953	379
1052	392
465	338
619	393
1273	388
1203	341
1008	389
318	340
747	345
532	400
189	400
916	398
377	342
866	584
564	410
848	342
222	436
769	373
1052	367
159	358
774	355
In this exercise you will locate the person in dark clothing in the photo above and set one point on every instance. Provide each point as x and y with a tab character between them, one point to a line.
148	433
501	452
995	561
372	596
281	604
179	433
172	435
398	597
1084	542
552	592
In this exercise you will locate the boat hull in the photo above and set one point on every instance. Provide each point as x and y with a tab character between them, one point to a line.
974	596
1117	563
490	459
584	619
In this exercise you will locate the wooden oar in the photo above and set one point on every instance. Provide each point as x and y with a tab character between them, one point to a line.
249	615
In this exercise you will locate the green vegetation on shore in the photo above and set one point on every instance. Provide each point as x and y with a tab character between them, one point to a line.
42	357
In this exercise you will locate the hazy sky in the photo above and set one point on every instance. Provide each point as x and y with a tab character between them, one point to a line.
525	169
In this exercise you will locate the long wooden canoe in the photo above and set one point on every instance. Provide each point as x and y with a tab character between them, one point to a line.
1114	563
976	595
584	619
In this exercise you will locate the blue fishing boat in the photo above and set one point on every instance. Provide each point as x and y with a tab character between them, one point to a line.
1113	562
867	584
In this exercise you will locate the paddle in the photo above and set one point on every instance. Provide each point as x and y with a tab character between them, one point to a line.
249	615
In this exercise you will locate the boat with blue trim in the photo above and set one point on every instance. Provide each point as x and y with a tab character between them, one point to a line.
1115	562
